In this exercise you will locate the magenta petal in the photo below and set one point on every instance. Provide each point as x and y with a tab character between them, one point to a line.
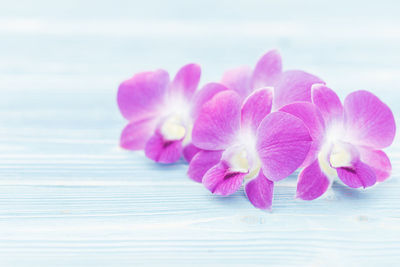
267	70
219	180
163	151
218	122
256	107
260	191
135	135
358	175
189	151
202	162
186	80
283	142
370	121
312	182
378	161
238	80
328	102
312	118
140	97
310	115
205	94
293	85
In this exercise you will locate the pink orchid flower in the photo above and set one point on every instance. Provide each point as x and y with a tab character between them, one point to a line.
245	142
347	140
161	112
288	86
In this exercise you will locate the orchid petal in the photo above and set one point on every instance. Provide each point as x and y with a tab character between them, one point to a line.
189	151
293	85
163	151
260	191
238	80
328	102
256	107
312	182
370	121
202	162
283	142
378	161
205	94
358	175
219	180
267	70
140	97
218	122
312	118
186	81
135	135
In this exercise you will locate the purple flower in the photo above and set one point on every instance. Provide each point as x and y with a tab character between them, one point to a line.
347	140
245	142
161	112
288	86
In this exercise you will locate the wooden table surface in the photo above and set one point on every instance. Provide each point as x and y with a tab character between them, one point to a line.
69	196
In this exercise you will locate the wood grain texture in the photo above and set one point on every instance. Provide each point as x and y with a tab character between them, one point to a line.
69	196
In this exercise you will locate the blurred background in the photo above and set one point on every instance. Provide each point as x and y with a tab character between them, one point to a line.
70	196
92	45
73	54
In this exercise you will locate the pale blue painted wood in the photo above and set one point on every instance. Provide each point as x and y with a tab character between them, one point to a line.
69	196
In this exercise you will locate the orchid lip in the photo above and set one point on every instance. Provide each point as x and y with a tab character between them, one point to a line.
335	155
241	159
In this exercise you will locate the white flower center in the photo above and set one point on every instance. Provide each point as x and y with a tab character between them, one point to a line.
340	156
242	161
324	162
239	162
177	123
334	155
243	156
173	128
254	170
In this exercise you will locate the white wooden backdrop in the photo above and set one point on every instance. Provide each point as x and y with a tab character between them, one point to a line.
69	196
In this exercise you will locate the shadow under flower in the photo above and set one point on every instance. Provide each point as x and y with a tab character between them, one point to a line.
165	167
342	191
235	200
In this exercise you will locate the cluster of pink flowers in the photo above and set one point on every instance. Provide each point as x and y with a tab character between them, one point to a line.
256	127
